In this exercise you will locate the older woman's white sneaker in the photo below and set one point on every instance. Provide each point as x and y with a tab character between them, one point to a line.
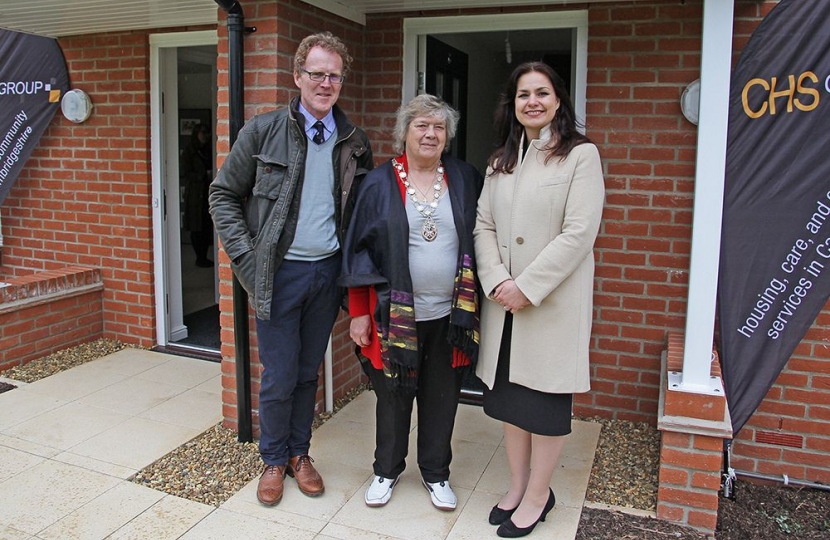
441	494
380	491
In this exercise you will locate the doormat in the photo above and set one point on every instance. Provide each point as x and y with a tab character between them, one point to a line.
203	328
5	387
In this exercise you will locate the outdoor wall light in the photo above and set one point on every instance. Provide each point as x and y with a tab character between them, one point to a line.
690	101
76	106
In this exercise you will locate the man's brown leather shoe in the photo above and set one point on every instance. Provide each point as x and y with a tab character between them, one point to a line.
269	490
308	479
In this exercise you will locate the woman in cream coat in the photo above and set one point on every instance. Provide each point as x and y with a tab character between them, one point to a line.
538	217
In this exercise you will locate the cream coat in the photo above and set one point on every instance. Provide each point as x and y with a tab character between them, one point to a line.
538	225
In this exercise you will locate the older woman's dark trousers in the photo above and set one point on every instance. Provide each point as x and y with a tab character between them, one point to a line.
439	386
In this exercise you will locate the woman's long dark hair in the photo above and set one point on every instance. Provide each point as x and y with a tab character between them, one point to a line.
564	124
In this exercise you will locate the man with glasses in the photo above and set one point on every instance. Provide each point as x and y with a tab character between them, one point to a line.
281	204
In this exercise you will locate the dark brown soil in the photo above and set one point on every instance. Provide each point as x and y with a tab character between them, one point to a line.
759	512
774	512
605	524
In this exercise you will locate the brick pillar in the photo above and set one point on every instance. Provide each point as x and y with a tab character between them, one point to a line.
693	428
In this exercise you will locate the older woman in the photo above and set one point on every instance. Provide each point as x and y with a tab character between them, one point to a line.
538	217
408	263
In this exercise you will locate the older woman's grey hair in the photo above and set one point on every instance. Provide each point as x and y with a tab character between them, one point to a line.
425	105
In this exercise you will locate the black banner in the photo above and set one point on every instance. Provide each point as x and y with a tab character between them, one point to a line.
33	79
775	249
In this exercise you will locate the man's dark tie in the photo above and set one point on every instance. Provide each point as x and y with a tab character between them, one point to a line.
318	137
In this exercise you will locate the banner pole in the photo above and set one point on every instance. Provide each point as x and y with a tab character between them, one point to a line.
715	69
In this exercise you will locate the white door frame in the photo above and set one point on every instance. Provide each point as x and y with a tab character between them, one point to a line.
164	143
414	28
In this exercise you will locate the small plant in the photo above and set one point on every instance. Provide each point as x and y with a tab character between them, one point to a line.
784	522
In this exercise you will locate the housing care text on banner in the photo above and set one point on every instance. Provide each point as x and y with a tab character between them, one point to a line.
775	247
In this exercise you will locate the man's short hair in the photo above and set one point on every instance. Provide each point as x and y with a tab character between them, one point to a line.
327	41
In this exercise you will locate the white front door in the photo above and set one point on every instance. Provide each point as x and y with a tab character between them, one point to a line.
173	114
490	47
494	45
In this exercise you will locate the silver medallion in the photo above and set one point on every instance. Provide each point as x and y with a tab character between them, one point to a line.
429	230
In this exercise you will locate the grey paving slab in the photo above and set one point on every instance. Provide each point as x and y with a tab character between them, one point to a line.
66	456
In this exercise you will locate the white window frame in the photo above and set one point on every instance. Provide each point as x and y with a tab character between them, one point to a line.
413	28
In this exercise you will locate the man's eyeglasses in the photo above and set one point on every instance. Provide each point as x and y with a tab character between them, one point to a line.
319	76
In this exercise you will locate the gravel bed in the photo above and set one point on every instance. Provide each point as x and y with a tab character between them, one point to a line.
61	360
626	465
208	469
213	466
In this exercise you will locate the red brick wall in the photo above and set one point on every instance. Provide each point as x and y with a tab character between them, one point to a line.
692	431
383	38
689	479
84	196
641	57
48	311
790	432
269	83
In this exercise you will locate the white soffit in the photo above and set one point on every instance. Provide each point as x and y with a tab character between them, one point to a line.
356	10
57	18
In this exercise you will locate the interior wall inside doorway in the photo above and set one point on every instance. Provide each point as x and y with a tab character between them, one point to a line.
196	91
489	69
196	99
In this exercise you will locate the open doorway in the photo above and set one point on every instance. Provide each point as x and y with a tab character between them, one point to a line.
467	61
490	47
183	103
488	58
196	67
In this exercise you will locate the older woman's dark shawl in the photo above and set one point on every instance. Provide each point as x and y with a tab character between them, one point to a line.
376	254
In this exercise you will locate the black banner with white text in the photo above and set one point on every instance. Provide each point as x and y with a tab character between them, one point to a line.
33	79
775	249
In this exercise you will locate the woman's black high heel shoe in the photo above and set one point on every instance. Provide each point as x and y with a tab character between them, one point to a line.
508	529
499	515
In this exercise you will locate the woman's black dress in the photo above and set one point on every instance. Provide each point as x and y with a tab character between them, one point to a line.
531	410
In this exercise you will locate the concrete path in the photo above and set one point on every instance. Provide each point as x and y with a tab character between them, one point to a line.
70	442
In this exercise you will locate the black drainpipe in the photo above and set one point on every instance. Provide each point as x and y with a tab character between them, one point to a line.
242	347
